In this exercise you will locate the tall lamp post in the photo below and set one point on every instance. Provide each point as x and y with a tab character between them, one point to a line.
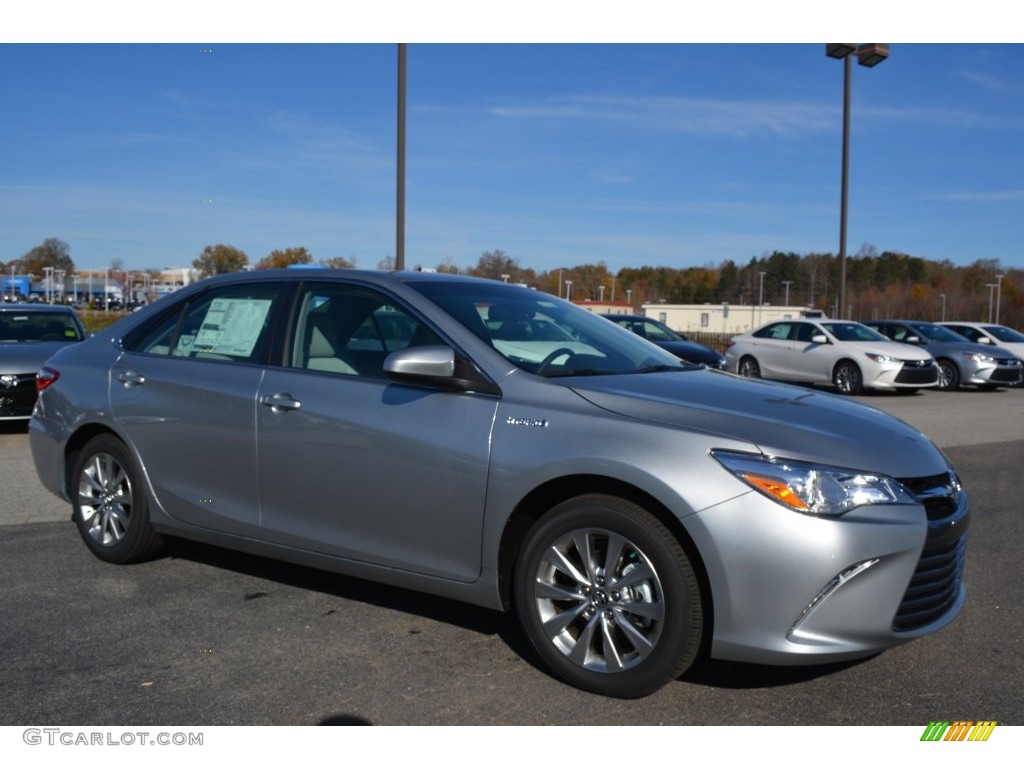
999	294
991	288
868	55
400	152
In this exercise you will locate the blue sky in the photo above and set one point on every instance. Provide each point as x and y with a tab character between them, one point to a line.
558	154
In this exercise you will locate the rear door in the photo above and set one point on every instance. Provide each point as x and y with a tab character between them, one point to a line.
184	392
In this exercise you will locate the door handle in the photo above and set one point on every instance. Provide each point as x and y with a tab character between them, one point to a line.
131	378
280	401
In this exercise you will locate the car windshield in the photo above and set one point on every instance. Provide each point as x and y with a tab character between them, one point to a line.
543	334
853	332
1003	333
930	332
34	325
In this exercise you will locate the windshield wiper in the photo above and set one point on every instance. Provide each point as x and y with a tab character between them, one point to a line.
578	372
663	367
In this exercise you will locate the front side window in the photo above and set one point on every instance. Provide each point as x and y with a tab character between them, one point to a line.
350	330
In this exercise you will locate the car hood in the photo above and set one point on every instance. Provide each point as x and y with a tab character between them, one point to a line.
779	419
690	350
894	349
27	356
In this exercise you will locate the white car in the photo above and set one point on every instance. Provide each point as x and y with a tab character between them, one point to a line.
849	356
991	334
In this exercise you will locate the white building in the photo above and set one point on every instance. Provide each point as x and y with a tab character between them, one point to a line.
723	318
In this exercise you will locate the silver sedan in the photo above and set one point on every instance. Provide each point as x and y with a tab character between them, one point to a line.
634	511
849	356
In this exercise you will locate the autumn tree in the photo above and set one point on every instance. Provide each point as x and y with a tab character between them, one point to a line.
52	253
220	259
494	264
337	262
280	259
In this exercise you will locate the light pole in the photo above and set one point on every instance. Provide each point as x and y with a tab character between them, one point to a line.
629	297
787	283
505	277
49	285
600	293
60	283
760	296
999	294
400	174
943	307
868	55
991	289
568	290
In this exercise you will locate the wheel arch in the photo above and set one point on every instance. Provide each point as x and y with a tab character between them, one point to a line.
77	442
535	504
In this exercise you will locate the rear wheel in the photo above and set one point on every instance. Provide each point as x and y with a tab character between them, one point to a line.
949	376
110	505
847	378
748	367
608	598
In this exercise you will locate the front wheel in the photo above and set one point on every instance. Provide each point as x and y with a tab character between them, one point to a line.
949	376
847	378
110	505
608	598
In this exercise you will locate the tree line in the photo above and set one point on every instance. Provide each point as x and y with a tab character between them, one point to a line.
882	285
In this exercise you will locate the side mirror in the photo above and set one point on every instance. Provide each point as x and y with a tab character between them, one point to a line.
419	363
984	340
819	338
913	339
437	366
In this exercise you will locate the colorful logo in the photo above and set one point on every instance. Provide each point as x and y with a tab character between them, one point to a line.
959	730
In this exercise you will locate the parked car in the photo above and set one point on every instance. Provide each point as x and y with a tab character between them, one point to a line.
670	340
991	334
849	356
29	335
631	509
959	360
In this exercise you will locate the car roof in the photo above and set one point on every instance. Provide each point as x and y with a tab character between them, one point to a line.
36	308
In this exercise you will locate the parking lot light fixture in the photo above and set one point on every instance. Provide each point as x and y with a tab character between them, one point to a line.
868	55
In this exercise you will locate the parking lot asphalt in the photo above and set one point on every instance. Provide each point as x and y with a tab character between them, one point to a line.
206	636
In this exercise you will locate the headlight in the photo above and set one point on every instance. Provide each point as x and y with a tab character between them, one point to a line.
813	489
977	357
882	358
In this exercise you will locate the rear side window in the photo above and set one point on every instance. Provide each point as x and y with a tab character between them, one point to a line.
228	324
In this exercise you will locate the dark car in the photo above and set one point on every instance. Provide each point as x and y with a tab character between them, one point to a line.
29	335
960	361
669	340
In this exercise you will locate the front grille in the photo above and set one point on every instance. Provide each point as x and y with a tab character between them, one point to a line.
917	372
935	586
17	394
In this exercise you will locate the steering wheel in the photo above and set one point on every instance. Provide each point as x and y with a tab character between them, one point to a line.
547	361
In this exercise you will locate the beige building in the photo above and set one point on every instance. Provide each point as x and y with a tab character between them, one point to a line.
723	318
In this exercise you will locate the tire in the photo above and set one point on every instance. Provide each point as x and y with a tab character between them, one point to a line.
110	505
749	368
847	378
949	376
610	633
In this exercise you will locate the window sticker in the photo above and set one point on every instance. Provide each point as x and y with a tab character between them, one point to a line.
232	326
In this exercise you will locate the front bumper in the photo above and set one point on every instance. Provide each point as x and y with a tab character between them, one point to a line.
792	589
